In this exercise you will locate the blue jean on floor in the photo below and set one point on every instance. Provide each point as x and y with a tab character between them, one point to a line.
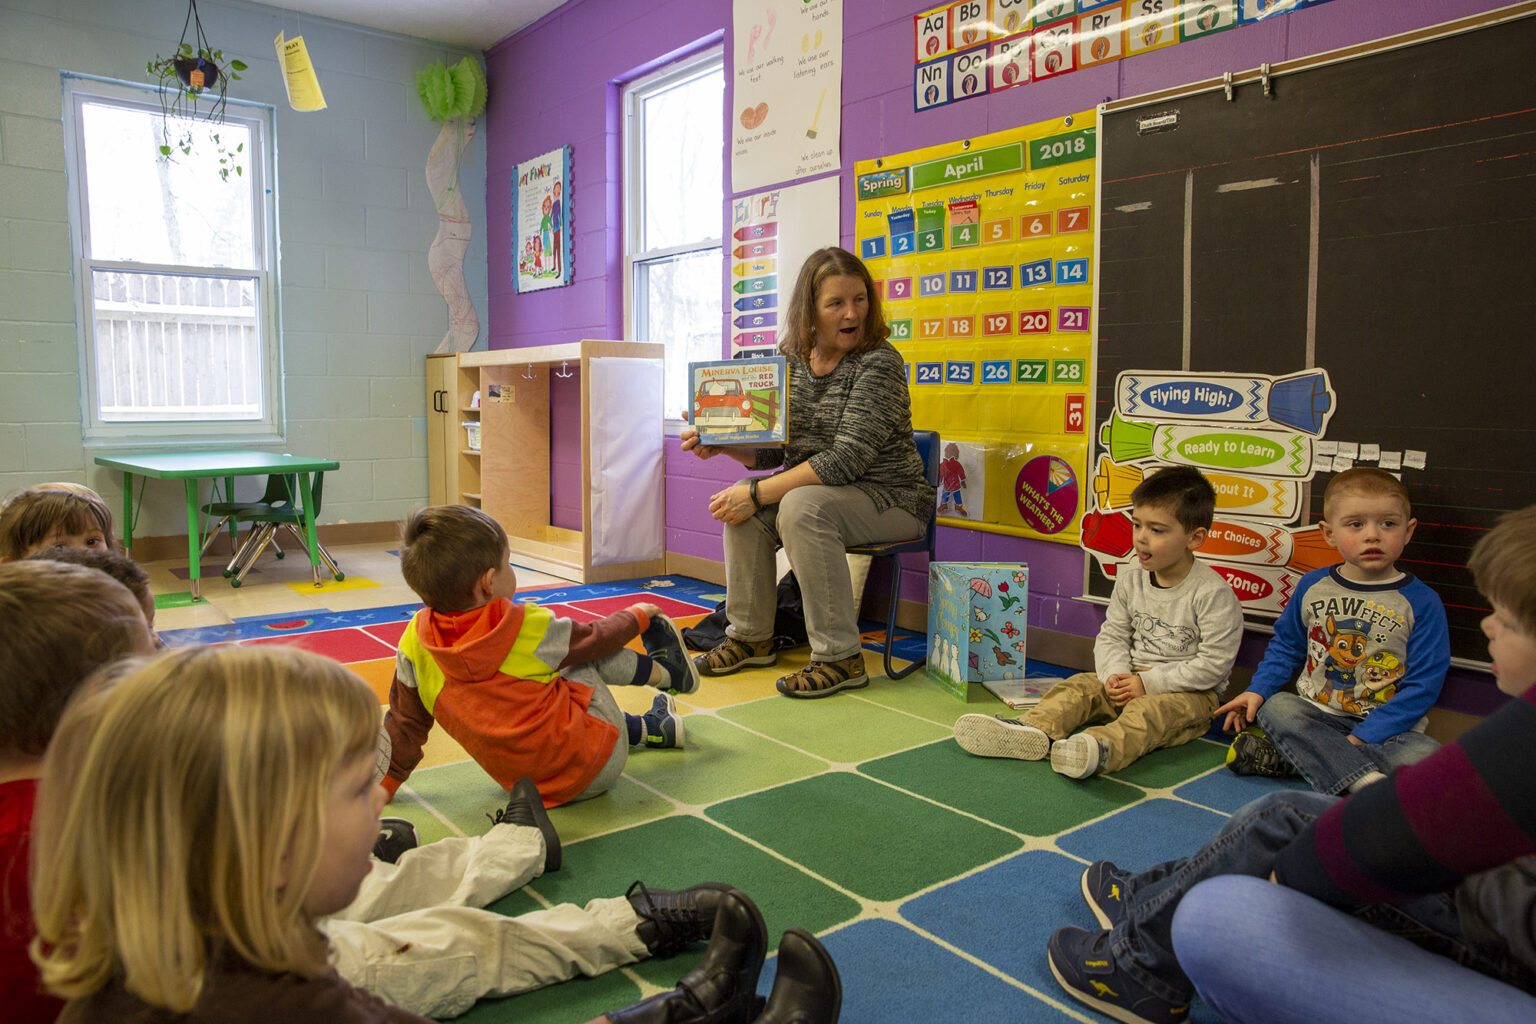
1317	743
1258	952
1247	844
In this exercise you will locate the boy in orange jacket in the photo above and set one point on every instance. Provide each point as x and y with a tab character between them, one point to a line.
523	691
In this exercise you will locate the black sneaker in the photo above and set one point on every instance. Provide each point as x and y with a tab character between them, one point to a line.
396	835
672	918
526	807
1252	753
1104	888
1083	964
664	643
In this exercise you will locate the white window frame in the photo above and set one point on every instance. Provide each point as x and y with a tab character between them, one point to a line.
259	170
634	95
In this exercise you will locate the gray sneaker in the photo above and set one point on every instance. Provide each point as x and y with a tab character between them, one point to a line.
996	736
1078	757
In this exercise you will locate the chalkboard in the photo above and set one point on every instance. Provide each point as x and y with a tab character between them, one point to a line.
1375	216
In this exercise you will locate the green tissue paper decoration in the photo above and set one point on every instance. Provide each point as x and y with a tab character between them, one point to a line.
458	91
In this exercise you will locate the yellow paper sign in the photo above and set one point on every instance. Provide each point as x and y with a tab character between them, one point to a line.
299	74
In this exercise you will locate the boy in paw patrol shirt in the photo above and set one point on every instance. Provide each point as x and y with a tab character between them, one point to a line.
1366	645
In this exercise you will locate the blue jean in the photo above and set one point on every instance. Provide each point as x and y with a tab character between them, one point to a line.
1317	743
1248	844
1284	957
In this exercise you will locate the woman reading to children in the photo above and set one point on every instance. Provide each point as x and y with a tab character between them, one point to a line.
849	474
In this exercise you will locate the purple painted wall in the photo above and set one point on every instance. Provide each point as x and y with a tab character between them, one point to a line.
553	84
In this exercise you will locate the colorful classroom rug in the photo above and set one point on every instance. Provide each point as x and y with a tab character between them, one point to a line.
933	877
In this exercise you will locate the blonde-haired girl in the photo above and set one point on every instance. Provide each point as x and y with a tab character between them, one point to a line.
201	811
197	816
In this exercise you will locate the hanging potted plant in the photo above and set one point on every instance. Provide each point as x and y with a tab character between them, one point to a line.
196	72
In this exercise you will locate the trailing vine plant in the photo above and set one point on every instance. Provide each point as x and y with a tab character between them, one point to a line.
195	73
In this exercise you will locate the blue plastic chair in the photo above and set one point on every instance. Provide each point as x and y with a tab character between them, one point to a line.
927	442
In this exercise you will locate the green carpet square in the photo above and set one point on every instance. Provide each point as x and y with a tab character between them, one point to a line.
843	729
464	794
575	1000
460	792
720	761
1173	766
607	865
868	838
918	695
1025	796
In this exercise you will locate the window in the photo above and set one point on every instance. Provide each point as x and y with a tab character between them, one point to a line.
674	152
174	268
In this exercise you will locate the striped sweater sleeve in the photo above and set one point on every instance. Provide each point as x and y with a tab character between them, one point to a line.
1467	808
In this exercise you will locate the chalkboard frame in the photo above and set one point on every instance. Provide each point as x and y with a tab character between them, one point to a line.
1152	151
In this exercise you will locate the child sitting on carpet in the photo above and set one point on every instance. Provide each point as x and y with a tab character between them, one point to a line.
61	623
119	566
1366	645
67	515
1169	639
203	810
524	692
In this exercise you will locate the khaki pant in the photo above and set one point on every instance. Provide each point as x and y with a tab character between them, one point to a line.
1145	724
416	937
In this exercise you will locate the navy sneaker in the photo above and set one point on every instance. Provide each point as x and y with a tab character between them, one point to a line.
663	641
1104	889
1084	966
396	835
1252	753
663	725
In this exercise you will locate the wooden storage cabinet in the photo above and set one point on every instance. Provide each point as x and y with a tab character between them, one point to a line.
510	475
453	468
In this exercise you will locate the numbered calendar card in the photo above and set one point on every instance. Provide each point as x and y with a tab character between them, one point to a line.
982	251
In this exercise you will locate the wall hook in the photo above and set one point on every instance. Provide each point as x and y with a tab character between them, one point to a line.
1264	77
564	371
1226	84
529	375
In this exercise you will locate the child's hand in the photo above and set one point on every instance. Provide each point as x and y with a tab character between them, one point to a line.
1240	711
1124	687
651	611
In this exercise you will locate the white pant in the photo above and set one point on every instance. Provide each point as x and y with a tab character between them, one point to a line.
416	936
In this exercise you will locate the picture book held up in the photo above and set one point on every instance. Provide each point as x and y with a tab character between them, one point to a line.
739	401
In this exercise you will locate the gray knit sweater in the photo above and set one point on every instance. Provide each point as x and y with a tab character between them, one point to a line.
854	426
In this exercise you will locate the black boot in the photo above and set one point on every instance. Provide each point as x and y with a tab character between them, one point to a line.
670	920
807	989
722	989
526	807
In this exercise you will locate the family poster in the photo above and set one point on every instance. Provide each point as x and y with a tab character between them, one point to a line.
541	221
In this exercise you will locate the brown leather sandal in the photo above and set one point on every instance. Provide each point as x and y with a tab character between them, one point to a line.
824	678
731	655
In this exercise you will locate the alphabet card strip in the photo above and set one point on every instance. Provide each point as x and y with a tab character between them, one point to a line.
973	47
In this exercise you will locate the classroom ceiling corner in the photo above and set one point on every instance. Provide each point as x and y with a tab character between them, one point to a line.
470	24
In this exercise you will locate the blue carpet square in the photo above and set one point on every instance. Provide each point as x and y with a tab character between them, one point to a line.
1222	791
1144	834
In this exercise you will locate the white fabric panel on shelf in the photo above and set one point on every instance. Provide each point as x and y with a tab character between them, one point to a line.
628	513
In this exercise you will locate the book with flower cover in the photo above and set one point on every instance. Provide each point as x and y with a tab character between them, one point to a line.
739	401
